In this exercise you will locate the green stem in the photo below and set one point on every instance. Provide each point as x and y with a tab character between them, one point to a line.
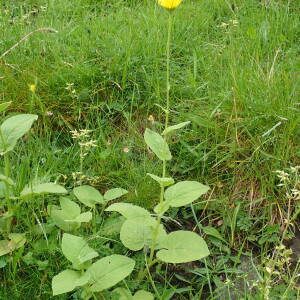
164	166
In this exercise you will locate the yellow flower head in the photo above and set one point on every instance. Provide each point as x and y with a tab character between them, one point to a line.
151	118
169	4
32	87
125	149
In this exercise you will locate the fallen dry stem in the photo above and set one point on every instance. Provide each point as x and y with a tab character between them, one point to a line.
49	29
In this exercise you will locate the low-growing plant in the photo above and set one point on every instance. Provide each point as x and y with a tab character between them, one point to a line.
140	229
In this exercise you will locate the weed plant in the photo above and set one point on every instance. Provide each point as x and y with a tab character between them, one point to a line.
234	77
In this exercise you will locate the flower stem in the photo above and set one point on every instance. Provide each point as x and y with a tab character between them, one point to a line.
164	166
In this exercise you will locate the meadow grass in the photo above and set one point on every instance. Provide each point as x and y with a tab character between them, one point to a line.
235	76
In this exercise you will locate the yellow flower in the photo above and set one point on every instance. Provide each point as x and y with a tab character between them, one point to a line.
32	87
169	4
151	118
125	149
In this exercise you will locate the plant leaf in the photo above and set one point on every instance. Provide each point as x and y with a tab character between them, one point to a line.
4	105
5	247
135	236
213	232
64	282
84	217
114	194
18	240
182	247
130	211
6	179
162	181
157	144
143	295
161	208
14	128
175	127
70	208
76	250
63	221
122	294
184	192
88	195
43	188
108	271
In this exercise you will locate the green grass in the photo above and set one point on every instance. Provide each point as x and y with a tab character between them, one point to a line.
235	76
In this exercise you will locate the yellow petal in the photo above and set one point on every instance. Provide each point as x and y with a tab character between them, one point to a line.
169	4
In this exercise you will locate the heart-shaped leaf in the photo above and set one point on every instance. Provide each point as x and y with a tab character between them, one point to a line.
157	144
182	247
135	236
68	218
184	192
88	195
130	211
108	271
76	250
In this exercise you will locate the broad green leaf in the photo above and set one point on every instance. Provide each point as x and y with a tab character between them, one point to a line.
157	144
130	211
122	294
213	232
68	218
43	188
108	271
5	247
88	195
14	128
6	179
175	127
143	295
184	192
63	221
182	247
76	250
16	240
112	226
161	208
162	181
114	194
4	106
135	236
65	282
84	217
70	208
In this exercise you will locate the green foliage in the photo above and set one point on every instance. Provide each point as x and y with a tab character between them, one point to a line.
43	188
101	275
108	271
88	195
68	218
14	128
181	247
184	192
15	241
157	144
76	250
